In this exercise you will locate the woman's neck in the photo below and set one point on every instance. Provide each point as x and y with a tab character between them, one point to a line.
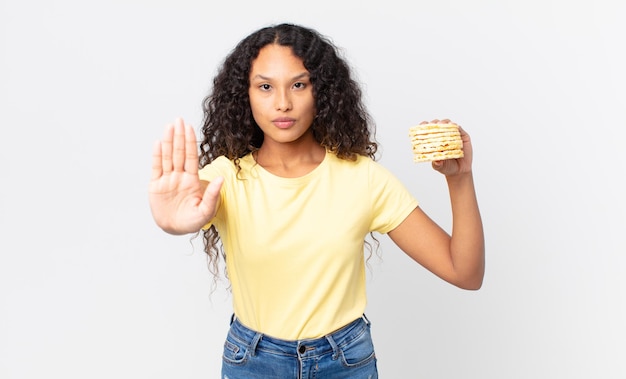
290	160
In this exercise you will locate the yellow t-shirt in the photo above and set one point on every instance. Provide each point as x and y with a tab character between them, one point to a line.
294	246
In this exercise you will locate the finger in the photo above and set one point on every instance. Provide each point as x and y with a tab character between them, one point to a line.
157	164
445	167
211	195
191	149
213	189
435	121
166	148
178	147
465	137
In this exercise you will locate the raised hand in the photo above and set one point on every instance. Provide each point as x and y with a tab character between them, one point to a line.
450	167
179	201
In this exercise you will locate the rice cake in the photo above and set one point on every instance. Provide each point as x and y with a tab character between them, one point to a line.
434	142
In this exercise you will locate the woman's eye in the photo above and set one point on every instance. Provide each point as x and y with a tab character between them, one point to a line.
299	85
265	87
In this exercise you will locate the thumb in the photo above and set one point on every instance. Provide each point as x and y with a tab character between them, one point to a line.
212	194
212	191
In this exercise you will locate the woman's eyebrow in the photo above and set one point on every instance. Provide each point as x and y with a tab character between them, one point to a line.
297	77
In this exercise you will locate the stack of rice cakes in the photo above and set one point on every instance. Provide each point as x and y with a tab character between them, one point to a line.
435	142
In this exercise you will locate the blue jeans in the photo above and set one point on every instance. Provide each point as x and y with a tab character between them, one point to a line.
345	353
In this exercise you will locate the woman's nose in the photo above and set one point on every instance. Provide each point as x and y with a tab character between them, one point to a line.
283	101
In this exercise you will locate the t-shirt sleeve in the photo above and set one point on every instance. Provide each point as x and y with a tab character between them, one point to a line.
219	167
391	200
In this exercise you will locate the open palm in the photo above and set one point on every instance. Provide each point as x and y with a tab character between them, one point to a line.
179	201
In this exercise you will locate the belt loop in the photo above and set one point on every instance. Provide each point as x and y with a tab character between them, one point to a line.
255	343
367	320
232	319
332	343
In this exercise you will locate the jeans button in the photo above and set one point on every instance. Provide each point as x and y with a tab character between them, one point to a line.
302	349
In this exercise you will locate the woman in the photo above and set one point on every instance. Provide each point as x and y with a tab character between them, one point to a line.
289	187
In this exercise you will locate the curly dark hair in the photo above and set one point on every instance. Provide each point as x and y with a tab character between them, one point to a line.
341	124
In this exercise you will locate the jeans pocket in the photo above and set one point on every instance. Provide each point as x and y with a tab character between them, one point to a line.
358	351
235	351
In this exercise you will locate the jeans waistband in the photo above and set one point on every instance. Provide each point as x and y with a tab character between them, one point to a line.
304	348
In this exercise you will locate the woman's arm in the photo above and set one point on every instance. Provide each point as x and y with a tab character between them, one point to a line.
458	258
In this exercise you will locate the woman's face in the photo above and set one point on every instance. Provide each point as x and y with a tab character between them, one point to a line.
281	95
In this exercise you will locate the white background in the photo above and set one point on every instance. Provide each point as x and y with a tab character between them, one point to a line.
91	288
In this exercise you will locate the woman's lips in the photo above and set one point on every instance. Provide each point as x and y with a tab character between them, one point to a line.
284	123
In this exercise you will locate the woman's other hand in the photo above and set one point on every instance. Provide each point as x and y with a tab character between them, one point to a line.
451	167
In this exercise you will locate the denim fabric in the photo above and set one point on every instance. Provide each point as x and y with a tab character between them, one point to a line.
346	353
